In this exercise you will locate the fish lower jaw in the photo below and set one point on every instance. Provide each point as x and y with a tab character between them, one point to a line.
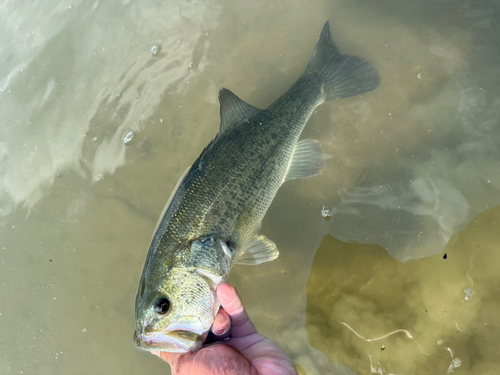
173	341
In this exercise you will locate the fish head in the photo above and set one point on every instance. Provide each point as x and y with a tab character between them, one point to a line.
178	315
176	312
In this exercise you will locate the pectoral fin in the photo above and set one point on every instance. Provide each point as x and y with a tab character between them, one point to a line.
249	247
308	160
256	250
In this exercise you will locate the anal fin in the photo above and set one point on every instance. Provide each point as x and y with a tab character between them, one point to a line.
308	159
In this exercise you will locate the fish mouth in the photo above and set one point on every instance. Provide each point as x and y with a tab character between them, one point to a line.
171	341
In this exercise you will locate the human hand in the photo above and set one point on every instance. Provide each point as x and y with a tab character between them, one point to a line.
246	352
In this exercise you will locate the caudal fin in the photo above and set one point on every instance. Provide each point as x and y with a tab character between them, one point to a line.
341	75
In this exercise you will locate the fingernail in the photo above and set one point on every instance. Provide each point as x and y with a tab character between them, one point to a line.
218	326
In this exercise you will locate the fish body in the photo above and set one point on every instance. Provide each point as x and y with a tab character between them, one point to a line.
214	215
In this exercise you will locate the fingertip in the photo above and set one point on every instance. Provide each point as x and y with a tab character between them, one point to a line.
241	325
223	289
222	323
228	297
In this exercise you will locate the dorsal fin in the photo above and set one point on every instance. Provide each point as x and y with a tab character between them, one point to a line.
233	110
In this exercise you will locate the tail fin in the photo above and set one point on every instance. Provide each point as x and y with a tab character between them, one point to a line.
341	75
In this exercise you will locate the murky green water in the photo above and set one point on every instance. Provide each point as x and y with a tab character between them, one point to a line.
415	174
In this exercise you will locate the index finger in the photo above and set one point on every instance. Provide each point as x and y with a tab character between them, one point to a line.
241	325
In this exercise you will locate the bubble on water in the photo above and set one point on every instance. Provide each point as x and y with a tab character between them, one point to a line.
455	362
468	293
161	120
84	330
155	50
325	212
94	139
99	178
128	136
191	64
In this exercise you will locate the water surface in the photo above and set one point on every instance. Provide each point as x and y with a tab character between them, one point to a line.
104	105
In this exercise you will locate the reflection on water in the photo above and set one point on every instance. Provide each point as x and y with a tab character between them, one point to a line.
366	310
70	96
409	220
104	104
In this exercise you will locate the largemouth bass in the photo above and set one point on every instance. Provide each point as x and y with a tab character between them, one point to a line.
213	217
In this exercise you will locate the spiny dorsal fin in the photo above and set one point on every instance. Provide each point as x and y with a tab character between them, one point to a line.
233	110
307	160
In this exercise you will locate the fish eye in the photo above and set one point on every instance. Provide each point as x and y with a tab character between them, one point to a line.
162	305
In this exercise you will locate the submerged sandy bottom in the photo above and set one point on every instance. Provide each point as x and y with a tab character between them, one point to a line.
366	310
